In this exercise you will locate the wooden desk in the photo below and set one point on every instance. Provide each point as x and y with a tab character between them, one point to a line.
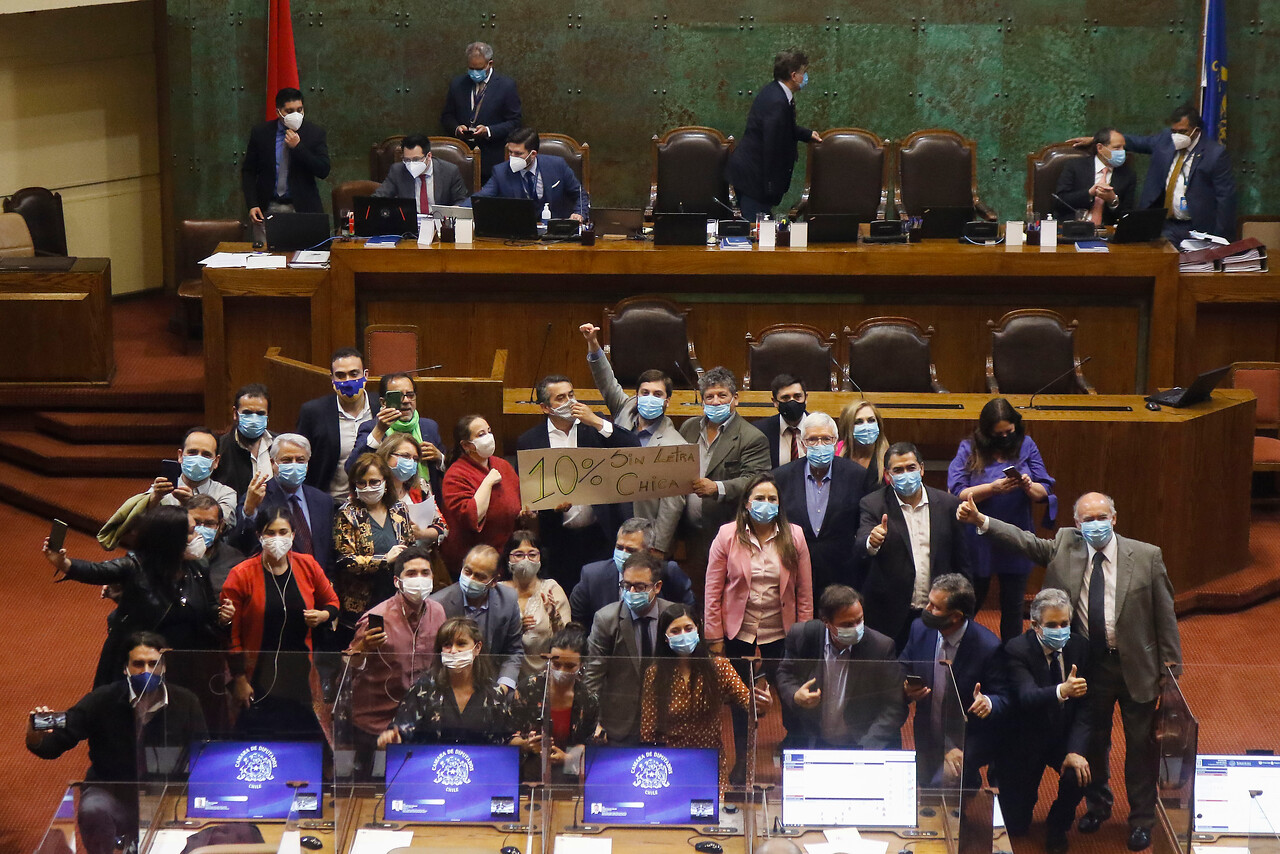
1180	477
1228	317
58	323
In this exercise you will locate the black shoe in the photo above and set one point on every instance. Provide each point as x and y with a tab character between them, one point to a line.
1091	821
1055	843
1139	838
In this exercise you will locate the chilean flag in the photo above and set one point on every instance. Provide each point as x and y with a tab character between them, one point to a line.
1213	73
282	62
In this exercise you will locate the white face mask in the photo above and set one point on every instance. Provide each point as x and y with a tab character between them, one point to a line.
195	549
1181	141
277	547
373	494
416	589
293	121
486	445
458	660
416	168
518	164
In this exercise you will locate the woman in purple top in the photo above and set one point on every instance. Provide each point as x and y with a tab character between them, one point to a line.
1000	442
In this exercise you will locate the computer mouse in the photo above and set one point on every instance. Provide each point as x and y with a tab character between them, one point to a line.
708	846
1153	406
311	842
258	244
509	849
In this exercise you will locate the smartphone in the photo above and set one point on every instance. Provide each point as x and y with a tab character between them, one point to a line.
392	399
45	721
1012	471
376	622
57	535
915	682
171	470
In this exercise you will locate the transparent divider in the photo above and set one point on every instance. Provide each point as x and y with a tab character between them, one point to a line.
1177	737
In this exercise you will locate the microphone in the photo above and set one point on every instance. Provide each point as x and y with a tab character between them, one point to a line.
845	370
408	754
537	368
191	763
732	213
1031	403
680	371
1063	202
427	368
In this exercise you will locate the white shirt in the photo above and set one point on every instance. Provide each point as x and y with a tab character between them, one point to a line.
348	427
1109	552
1180	186
578	515
219	492
784	442
917	519
791	96
1058	672
259	452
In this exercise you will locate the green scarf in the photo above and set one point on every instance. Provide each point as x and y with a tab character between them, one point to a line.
411	427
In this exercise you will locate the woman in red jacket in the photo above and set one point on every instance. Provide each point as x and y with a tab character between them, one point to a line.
481	493
273	601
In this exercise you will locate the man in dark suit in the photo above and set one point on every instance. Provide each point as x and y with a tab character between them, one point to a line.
1124	605
945	637
621	644
482	107
1048	669
421	177
598	585
782	431
822	492
760	166
840	681
495	608
1190	176
284	158
332	422
529	175
575	534
1104	184
910	536
403	418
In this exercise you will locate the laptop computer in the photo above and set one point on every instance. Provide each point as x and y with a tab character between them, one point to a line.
1140	226
289	232
679	229
625	221
945	223
451	212
511	219
380	215
1199	390
833	228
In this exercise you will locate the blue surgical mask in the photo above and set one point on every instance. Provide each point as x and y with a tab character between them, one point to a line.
349	388
207	533
1117	158
850	635
251	424
650	407
1055	638
292	474
196	468
1097	532
907	483
867	433
683	643
405	469
804	81
144	682
635	600
619	558
717	414
820	456
474	589
763	511
477	75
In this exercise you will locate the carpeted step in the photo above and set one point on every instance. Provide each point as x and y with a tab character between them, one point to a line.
50	456
126	428
84	504
102	397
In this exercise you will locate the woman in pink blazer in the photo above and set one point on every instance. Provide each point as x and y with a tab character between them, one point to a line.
759	584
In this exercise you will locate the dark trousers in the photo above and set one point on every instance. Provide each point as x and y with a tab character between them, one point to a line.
770	655
1020	775
1013	589
1141	754
752	207
107	814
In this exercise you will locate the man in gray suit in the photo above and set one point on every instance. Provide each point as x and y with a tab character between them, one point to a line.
1124	606
495	608
623	638
421	177
645	414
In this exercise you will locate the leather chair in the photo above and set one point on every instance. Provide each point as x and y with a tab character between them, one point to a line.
42	211
891	354
197	240
383	155
938	168
689	172
391	348
457	152
1043	169
576	154
342	197
792	348
1031	346
847	173
15	237
1263	379
649	332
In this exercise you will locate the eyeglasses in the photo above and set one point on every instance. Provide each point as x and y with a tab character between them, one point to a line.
421	159
815	441
635	586
533	554
403	456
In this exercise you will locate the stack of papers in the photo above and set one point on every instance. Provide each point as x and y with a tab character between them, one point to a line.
1249	261
225	260
310	258
1194	266
735	243
846	840
266	262
371	841
1092	246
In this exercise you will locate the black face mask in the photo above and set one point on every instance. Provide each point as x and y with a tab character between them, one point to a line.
791	410
1005	443
934	621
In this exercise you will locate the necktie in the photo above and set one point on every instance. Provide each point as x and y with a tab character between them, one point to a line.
424	198
1096	213
646	638
794	435
282	168
1173	183
1057	668
530	188
1097	609
301	530
939	692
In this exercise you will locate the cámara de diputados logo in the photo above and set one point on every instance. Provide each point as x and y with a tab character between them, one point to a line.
453	768
256	764
652	771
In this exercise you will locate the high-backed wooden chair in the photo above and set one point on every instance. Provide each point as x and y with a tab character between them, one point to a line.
688	172
391	348
938	168
847	173
576	154
383	155
891	354
1029	348
42	210
457	152
648	332
197	240
1043	169
792	348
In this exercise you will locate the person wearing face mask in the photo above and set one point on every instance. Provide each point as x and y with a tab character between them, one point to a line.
282	161
403	420
782	431
285	485
482	107
400	451
760	166
494	607
219	556
198	456
841	681
1105	185
945	638
598	586
419	176
822	491
457	700
910	536
685	687
759	584
862	440
645	414
385	662
1000	441
480	494
544	609
1123	604
273	603
573	708
161	587
245	450
528	174
143	704
1048	669
332	422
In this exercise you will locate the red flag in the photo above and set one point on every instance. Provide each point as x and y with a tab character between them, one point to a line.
282	62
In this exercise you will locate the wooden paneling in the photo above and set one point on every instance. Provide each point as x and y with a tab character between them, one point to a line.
1231	318
58	324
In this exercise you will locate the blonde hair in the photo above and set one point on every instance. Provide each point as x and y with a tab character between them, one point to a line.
846	434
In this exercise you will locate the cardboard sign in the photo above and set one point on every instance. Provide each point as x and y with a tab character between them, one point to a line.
550	477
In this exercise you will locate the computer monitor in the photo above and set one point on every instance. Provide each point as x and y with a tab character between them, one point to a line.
379	215
849	788
651	785
454	783
1237	795
511	219
250	779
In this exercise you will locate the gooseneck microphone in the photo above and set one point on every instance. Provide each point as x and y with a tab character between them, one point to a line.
537	368
844	369
1031	404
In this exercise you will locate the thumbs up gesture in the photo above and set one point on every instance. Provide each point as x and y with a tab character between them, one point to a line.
981	702
1074	686
968	513
876	538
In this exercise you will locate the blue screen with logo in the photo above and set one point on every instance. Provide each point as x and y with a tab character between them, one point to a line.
434	782
651	785
249	779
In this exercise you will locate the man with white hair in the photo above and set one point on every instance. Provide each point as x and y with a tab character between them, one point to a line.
482	108
821	492
1124	607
